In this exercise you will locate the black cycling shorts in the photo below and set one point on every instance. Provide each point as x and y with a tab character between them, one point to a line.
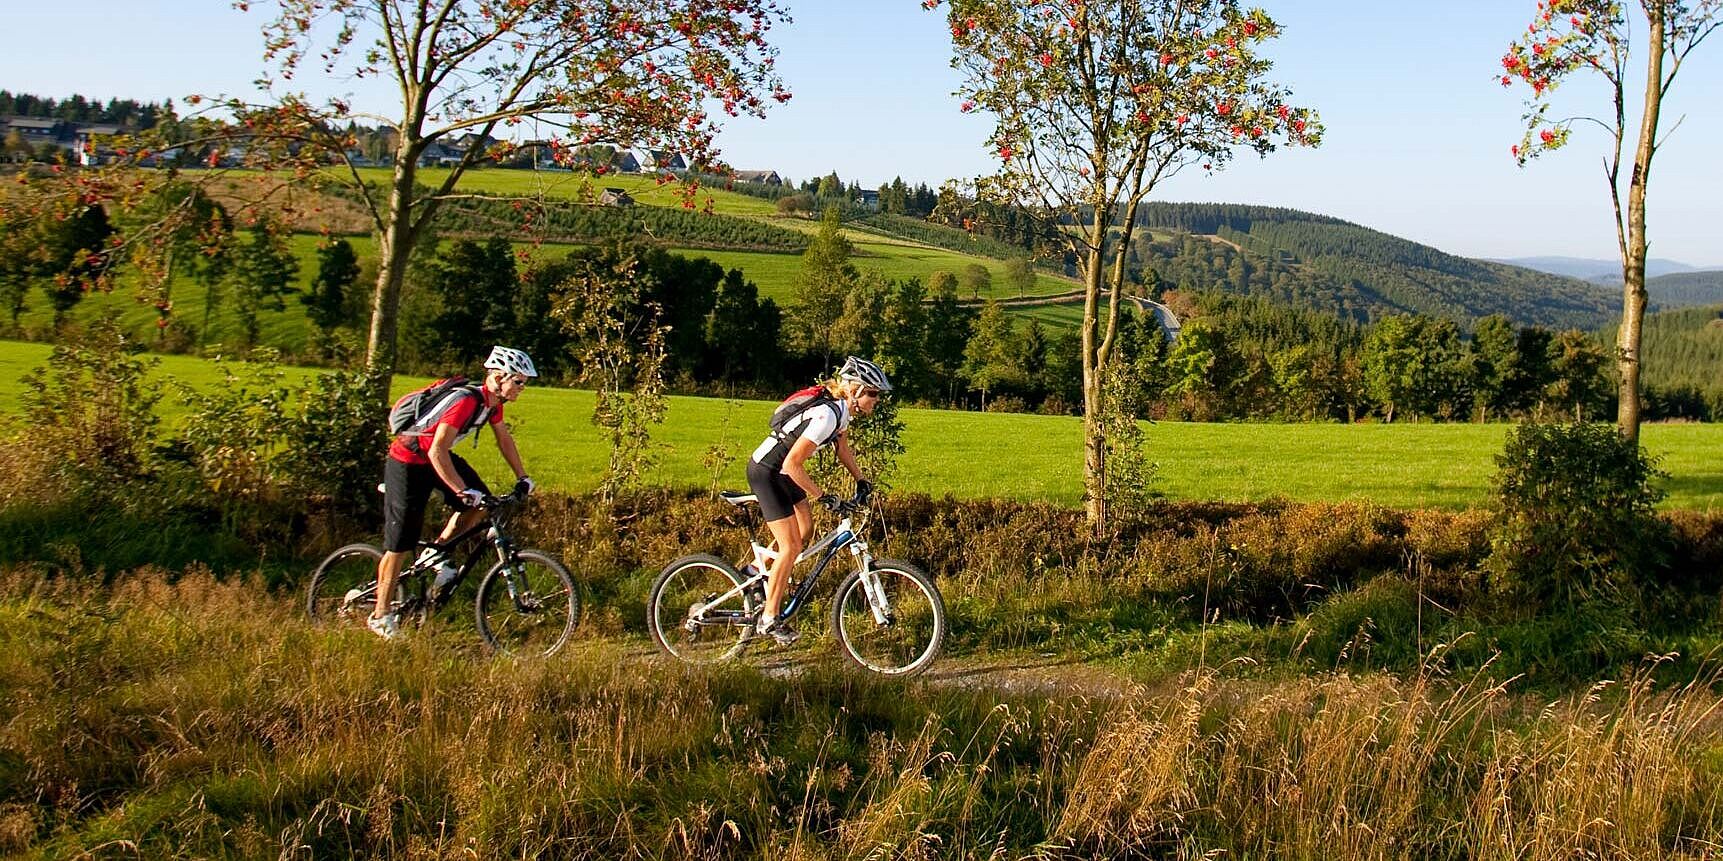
778	495
407	488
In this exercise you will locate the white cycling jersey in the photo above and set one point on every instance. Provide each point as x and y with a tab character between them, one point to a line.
822	424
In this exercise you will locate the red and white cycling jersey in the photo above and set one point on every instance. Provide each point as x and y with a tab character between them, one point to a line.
411	447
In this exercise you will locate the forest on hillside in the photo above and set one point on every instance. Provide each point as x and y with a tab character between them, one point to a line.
1343	268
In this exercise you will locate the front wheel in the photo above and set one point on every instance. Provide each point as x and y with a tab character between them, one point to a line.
343	589
528	606
698	611
890	619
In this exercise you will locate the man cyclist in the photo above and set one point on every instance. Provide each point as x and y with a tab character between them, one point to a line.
422	459
778	475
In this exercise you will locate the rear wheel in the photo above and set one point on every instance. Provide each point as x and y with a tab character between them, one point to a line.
697	612
527	607
896	630
343	589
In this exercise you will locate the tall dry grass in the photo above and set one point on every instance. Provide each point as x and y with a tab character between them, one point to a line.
197	717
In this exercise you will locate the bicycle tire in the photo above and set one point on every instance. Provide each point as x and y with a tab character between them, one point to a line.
509	626
329	602
911	639
669	602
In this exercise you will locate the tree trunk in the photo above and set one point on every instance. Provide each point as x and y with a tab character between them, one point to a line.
1633	297
394	252
1094	432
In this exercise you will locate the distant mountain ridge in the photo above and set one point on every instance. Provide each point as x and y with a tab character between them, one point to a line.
1328	264
1685	290
1602	271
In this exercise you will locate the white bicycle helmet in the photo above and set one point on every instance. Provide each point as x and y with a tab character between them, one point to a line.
865	372
510	361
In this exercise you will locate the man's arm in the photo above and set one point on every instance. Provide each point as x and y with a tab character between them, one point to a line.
506	445
441	444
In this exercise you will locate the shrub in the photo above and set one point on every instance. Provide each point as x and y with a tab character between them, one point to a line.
232	430
1577	523
89	414
337	438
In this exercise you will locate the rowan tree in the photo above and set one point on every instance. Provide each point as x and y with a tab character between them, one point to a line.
1572	38
1095	104
641	74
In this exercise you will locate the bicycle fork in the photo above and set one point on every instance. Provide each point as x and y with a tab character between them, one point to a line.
523	599
877	601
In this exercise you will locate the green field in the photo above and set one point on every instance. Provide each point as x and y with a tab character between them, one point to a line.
644	188
1039	457
774	274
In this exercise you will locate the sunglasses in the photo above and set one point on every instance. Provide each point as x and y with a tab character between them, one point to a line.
871	393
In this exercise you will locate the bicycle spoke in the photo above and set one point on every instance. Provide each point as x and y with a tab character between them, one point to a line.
897	629
697	612
343	590
528	608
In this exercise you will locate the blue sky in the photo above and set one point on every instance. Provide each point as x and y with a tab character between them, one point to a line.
1417	129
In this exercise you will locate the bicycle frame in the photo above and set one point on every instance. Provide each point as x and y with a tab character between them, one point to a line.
495	537
827	547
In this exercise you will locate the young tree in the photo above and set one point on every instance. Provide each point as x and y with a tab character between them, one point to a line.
1095	105
1572	37
264	270
976	280
1020	275
326	301
1394	366
1490	360
987	358
643	73
621	350
901	344
821	286
948	325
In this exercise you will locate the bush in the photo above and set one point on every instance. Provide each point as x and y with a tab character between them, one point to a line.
337	439
89	415
231	436
796	204
1577	522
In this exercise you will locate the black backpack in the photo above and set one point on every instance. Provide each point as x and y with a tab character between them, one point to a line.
809	398
418	410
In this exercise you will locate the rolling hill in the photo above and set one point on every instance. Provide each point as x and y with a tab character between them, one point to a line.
1316	261
1295	258
1601	270
1685	289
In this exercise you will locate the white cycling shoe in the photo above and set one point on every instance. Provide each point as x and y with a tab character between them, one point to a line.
384	626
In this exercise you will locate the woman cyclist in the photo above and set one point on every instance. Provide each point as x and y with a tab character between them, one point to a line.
778	475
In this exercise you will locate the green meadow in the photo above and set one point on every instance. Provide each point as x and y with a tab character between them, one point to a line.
774	274
1031	457
644	188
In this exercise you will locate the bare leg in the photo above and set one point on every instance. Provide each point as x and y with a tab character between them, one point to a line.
787	540
388	568
459	522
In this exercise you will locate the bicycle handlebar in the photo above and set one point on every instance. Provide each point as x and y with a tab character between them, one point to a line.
494	503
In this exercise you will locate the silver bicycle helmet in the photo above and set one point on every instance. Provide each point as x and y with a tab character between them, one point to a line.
865	372
510	361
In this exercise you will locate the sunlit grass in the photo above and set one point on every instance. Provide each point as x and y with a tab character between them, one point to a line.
202	718
978	455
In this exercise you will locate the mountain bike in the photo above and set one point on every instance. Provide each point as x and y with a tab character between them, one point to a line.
526	603
888	616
